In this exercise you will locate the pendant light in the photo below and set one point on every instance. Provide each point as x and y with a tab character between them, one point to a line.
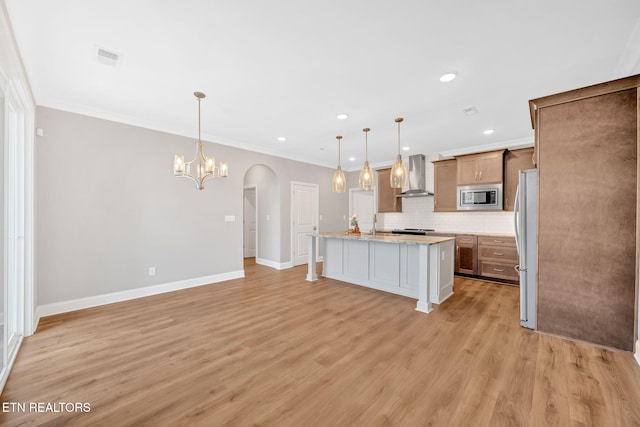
399	169
366	176
205	166
338	183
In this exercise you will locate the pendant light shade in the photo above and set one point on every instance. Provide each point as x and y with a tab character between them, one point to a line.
399	170
338	184
366	176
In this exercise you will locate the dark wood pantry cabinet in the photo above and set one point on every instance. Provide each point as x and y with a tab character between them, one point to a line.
586	144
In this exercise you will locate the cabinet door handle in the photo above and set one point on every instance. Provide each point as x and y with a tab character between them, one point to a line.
480	176
475	176
498	253
498	241
498	270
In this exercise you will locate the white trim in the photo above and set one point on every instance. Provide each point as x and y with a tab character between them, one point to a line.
374	195
174	130
4	373
513	144
248	187
291	210
637	354
274	264
95	301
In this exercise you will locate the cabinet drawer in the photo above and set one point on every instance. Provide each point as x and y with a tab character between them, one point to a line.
498	253
497	241
466	238
499	270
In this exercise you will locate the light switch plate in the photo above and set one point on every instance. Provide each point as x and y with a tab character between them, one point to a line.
229	218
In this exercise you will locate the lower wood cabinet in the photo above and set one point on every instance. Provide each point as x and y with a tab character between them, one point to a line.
493	257
466	254
498	257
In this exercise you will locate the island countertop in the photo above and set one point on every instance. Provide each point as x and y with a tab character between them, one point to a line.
393	238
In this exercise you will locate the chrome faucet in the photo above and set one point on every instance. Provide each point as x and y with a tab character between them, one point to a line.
375	220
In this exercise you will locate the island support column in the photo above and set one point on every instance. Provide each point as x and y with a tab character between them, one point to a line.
312	274
424	277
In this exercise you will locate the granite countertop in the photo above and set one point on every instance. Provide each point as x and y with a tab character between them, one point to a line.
475	233
391	238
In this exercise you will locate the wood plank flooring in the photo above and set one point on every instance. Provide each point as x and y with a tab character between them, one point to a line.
272	349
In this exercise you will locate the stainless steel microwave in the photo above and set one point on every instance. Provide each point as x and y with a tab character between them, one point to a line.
480	197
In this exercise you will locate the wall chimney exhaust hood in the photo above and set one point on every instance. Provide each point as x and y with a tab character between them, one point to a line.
417	178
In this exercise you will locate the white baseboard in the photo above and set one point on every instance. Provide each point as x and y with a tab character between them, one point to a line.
94	301
278	265
637	354
273	264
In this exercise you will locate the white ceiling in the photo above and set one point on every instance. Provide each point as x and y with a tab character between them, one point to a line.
287	67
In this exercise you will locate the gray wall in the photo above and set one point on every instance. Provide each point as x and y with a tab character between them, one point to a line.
108	207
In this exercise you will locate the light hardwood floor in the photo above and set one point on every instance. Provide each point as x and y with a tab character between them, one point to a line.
273	349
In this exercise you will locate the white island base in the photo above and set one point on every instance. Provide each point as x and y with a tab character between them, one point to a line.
419	267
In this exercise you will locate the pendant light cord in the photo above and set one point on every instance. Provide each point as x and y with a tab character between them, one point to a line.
366	146
199	137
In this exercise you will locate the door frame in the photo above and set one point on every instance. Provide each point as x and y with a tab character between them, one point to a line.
374	194
292	210
247	187
15	93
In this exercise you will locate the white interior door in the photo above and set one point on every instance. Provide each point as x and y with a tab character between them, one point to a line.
361	203
304	219
249	222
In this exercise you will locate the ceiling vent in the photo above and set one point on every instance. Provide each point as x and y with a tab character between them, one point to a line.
107	57
470	111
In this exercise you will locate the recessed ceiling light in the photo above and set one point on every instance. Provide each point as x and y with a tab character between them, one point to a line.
352	159
488	131
448	77
406	148
342	116
282	139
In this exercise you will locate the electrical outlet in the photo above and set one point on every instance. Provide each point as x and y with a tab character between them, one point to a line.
152	271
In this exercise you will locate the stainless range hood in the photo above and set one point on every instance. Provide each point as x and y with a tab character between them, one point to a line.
417	170
417	178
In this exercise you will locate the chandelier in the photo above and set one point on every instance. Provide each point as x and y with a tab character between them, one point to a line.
205	166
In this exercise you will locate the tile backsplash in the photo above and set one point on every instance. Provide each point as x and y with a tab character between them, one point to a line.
418	212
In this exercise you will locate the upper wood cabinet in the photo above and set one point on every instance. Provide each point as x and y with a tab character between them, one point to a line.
515	161
387	200
445	185
481	168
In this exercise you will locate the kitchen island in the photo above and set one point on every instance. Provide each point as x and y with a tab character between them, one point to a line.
419	267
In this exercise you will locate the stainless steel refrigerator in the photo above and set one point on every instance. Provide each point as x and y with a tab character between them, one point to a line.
525	227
